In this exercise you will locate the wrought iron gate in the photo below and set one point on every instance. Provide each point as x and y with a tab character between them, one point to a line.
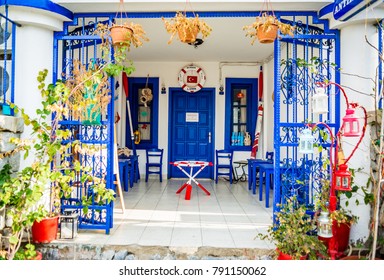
77	42
311	56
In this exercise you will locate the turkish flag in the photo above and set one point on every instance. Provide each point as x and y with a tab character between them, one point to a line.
191	79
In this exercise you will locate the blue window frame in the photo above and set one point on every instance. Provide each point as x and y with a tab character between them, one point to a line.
144	118
241	104
7	62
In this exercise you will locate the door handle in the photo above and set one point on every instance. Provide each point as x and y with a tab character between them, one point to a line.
209	137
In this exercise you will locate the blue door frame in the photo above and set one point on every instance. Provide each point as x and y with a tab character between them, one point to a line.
191	129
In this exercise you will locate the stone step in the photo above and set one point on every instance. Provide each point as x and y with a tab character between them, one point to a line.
66	251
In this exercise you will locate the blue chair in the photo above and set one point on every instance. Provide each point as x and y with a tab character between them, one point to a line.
126	170
154	164
223	164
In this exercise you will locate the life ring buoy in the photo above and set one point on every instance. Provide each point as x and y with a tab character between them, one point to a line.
191	78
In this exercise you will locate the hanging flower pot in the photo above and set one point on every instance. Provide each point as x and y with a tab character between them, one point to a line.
121	35
186	28
187	35
267	34
265	28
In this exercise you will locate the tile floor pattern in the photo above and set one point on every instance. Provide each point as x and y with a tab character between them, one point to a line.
154	214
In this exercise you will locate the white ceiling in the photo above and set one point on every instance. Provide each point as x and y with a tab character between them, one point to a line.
227	41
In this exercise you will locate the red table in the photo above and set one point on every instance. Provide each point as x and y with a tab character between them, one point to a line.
191	176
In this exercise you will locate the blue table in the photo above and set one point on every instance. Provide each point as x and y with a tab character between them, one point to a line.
253	166
125	171
265	169
129	171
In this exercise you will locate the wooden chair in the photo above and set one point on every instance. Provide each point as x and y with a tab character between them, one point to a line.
154	163
223	165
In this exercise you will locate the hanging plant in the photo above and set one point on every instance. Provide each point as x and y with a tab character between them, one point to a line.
120	35
123	34
266	26
186	28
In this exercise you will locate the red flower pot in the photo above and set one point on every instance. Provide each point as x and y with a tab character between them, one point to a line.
45	231
286	257
341	234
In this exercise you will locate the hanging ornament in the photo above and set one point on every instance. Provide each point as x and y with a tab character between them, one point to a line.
146	94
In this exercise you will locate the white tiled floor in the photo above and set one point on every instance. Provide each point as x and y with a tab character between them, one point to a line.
230	217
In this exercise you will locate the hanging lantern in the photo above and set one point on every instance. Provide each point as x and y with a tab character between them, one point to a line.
306	141
324	227
351	124
320	101
343	178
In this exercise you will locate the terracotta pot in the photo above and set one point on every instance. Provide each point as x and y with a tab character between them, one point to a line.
267	36
187	35
45	231
120	35
38	257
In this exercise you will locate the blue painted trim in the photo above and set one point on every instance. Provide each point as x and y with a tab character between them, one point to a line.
354	13
132	83
40	4
337	80
205	14
252	107
276	138
326	10
380	44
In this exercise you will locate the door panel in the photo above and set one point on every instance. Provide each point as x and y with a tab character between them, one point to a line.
191	123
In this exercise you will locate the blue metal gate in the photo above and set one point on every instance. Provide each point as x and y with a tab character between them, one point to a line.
311	56
77	42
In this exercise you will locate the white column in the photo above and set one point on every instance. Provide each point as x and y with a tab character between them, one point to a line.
358	63
33	53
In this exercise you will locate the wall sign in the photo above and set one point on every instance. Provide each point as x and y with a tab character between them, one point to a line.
192	117
191	78
345	9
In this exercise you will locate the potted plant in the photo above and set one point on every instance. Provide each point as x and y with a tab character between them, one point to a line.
341	219
186	28
266	27
19	198
113	66
292	234
52	169
119	36
89	87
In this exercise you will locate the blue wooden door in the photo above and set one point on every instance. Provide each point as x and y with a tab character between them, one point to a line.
191	119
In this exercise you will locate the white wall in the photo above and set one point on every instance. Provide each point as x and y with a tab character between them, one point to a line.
359	88
33	53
